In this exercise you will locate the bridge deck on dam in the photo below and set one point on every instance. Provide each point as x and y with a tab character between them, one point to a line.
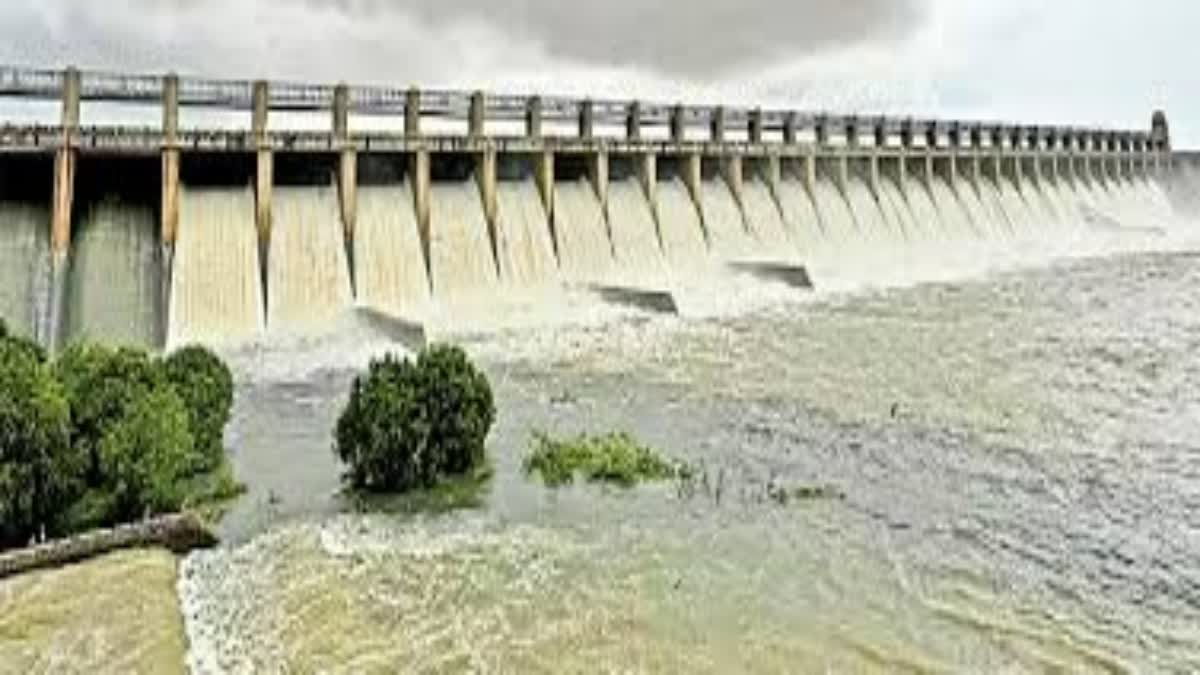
151	141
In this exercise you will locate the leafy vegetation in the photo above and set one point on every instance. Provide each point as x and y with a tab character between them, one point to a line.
101	436
205	384
41	474
611	458
410	425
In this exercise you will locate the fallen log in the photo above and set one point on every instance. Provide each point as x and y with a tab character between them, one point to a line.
178	533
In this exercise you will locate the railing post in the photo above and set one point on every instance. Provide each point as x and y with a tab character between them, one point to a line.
717	130
476	115
412	112
587	119
533	117
633	121
678	125
754	127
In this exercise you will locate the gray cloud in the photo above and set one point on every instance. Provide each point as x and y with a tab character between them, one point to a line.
696	40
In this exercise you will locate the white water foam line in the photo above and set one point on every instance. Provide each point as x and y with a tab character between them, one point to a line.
800	216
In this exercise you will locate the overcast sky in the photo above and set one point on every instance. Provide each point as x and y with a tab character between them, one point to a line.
1107	62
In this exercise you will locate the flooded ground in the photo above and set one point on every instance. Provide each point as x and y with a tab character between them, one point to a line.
117	614
1019	457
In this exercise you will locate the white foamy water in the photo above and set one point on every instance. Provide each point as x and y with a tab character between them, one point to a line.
24	264
216	284
927	222
956	221
308	279
838	227
639	255
389	264
873	224
523	243
460	248
800	216
895	209
1014	203
765	220
999	220
727	234
114	290
584	248
683	239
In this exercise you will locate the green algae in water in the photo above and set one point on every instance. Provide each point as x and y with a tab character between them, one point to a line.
615	458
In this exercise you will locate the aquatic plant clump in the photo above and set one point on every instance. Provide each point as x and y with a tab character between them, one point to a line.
615	458
410	424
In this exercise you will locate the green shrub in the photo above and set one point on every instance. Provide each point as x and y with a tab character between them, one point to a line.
459	408
40	473
611	458
205	384
101	384
409	425
23	343
145	458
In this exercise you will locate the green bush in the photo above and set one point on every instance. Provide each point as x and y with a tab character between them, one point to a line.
145	458
612	458
30	346
40	473
409	425
205	384
101	384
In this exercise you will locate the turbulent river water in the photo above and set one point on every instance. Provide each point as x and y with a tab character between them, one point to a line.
1018	455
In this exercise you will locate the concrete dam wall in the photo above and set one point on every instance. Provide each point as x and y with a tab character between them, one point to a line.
161	236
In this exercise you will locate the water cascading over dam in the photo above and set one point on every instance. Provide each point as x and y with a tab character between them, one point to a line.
167	236
216	290
390	273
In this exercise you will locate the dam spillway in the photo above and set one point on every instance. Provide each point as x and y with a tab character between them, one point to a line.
169	235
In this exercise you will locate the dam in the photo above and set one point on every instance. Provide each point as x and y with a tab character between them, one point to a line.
164	234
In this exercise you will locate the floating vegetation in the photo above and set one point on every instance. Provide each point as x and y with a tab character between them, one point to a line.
615	458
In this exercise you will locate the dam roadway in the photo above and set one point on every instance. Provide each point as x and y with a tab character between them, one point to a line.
710	177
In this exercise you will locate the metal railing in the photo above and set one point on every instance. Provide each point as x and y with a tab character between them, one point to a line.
45	84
